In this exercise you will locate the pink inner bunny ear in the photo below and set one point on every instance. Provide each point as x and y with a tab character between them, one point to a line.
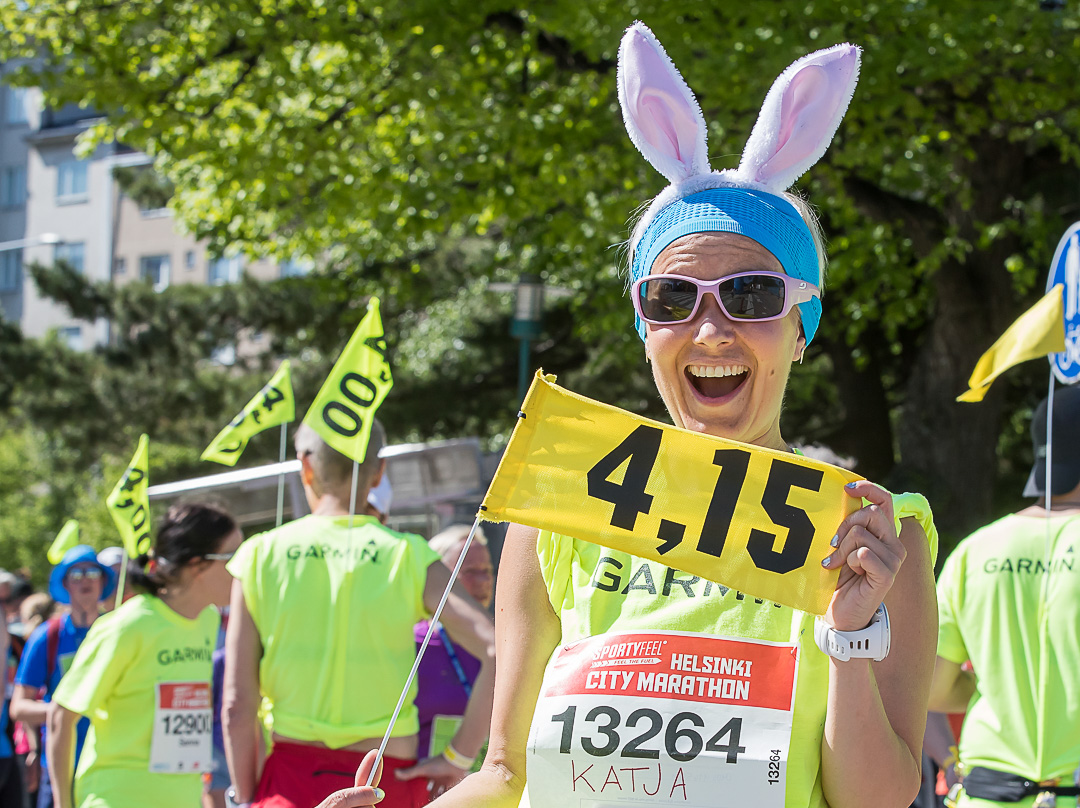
800	116
662	116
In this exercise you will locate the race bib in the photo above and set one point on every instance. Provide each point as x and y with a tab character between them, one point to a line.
183	740
663	718
443	730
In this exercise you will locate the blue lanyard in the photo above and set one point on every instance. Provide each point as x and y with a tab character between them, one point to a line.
450	652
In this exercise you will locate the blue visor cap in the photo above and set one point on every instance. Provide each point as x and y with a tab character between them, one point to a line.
80	554
770	220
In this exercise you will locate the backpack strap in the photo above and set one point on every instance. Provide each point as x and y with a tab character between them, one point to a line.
52	648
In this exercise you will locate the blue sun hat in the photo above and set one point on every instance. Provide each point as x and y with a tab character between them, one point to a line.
81	554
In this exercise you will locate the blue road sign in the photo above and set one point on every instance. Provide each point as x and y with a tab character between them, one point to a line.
1065	269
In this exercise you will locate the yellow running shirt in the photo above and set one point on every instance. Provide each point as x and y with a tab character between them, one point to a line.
335	612
143	677
669	690
1009	600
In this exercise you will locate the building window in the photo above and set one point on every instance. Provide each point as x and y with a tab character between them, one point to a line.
189	260
73	253
10	270
72	335
296	267
225	270
71	181
13	186
15	107
155	269
120	266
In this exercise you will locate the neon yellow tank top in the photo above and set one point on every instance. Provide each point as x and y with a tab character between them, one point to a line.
335	609
648	701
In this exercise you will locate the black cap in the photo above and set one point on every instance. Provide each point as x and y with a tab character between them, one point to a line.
1065	463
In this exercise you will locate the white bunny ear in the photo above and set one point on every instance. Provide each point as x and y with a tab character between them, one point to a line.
661	114
800	116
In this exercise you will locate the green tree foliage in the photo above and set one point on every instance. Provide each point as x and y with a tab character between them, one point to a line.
146	187
69	420
426	147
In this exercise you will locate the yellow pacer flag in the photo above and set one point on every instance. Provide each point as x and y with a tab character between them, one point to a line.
345	407
67	538
129	502
272	406
1037	332
753	519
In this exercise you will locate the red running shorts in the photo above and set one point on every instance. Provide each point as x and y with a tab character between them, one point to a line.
299	776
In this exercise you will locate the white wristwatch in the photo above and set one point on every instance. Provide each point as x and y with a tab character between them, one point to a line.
230	799
871	642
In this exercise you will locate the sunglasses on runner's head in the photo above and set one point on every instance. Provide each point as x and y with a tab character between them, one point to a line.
219	556
91	574
668	299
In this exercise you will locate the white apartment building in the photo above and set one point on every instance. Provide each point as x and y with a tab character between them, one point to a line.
54	205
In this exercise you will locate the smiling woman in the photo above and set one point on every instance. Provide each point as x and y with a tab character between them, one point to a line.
640	688
718	373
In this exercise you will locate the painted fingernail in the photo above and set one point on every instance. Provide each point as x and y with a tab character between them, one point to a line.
835	542
851	485
379	794
826	561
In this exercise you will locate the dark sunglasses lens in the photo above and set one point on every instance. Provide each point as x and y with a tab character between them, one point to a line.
753	297
668	300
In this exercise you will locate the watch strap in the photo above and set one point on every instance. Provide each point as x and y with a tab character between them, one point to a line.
871	642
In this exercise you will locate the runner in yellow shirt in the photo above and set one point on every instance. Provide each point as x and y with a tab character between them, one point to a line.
143	675
1009	601
321	625
766	709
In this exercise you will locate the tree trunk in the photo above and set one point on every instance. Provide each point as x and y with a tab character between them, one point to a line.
866	430
948	448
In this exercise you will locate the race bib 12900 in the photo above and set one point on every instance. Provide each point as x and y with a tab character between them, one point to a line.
663	718
183	740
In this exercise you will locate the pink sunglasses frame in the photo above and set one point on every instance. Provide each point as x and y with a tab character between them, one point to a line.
795	292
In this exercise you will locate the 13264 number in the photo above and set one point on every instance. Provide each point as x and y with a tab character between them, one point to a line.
682	740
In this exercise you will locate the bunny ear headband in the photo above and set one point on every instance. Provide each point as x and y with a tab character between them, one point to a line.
794	128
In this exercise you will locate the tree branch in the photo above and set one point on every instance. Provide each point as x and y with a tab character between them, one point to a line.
926	225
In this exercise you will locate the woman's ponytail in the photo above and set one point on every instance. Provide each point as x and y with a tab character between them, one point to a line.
187	532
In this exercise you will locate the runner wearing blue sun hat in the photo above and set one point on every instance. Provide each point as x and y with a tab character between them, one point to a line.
79	556
83	582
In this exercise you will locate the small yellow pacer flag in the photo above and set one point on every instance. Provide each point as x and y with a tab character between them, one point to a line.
272	406
343	411
67	538
129	502
753	519
1037	332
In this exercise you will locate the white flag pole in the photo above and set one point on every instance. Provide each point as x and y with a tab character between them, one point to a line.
1048	551
281	478
423	648
1048	488
352	496
123	579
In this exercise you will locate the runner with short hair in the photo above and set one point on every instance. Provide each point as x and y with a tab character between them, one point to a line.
82	581
1009	600
321	625
143	675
